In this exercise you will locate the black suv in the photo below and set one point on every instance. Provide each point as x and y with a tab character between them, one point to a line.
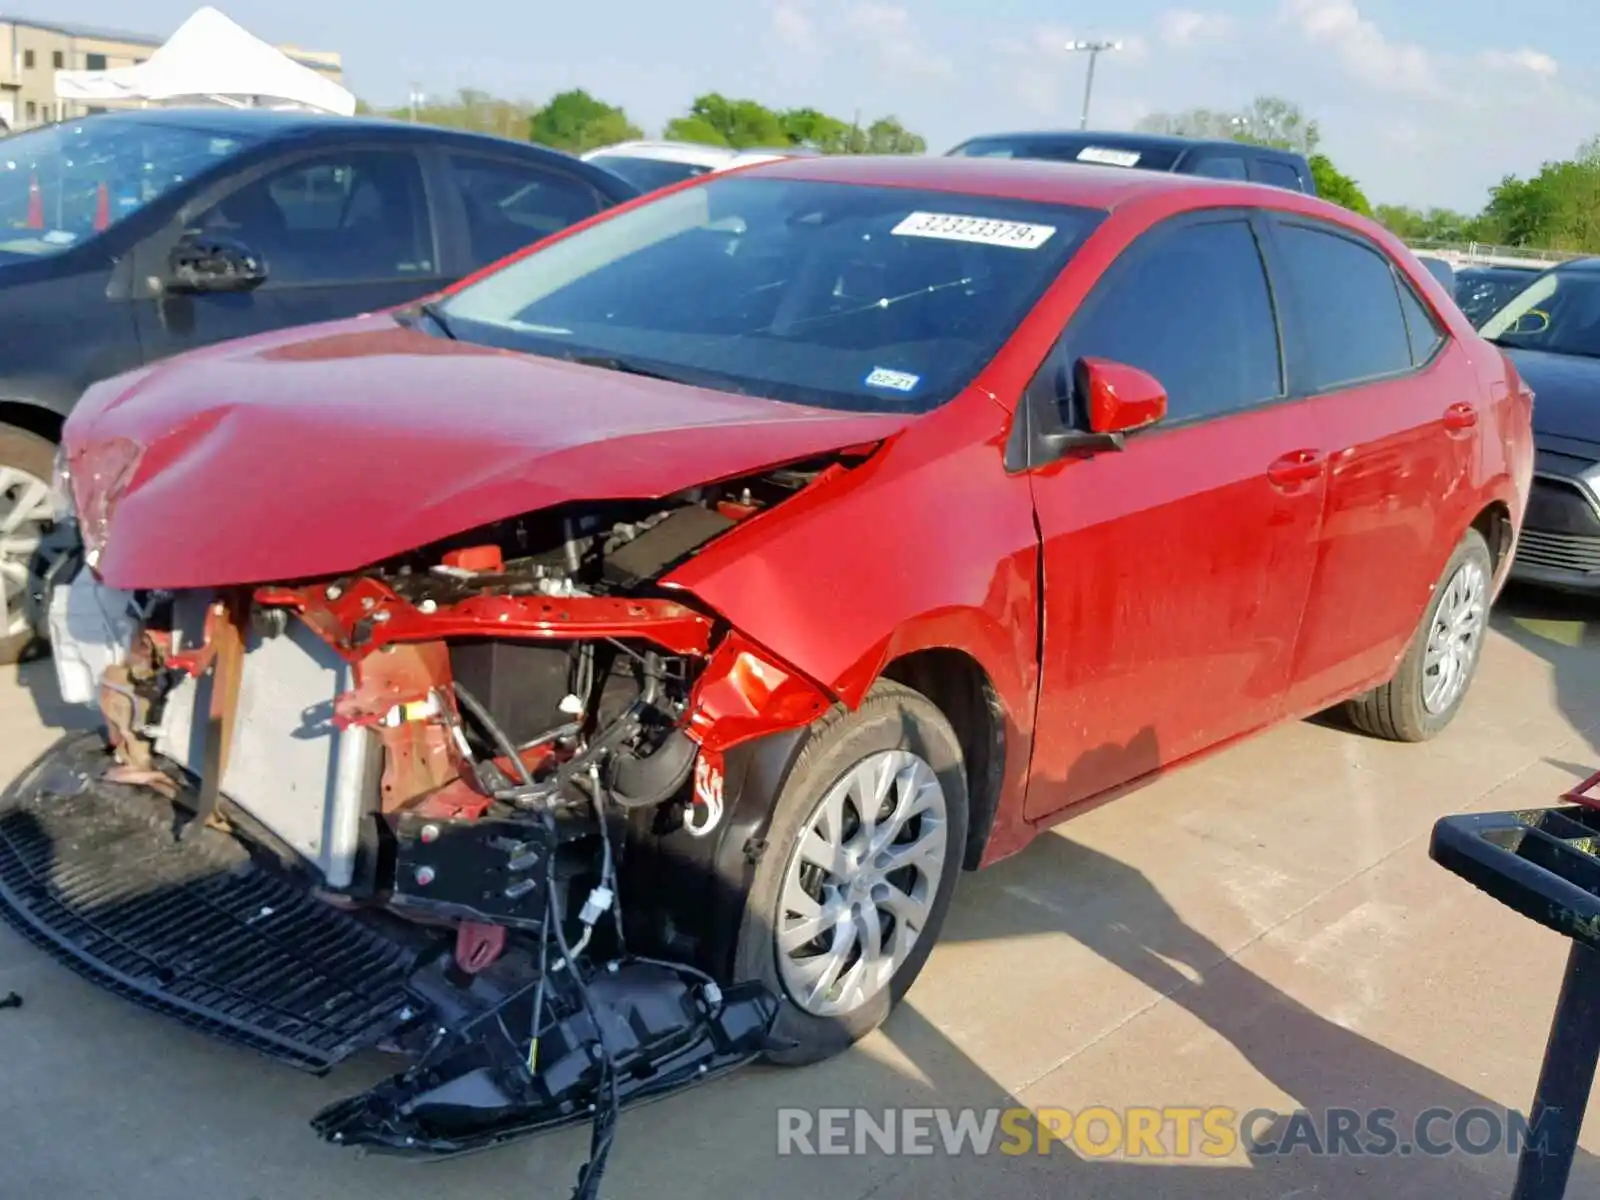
1151	152
128	237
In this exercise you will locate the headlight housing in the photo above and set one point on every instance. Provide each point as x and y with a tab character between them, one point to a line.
61	489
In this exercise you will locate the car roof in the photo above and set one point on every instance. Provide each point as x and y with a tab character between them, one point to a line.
1585	265
1082	184
267	124
1119	139
669	151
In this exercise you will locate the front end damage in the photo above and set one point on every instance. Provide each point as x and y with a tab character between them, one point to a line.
395	809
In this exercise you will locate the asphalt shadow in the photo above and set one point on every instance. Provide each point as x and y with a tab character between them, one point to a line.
38	678
1563	630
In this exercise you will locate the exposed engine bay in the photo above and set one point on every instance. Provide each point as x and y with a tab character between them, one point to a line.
447	755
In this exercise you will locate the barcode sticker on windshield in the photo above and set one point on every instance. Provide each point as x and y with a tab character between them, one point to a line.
980	230
1108	157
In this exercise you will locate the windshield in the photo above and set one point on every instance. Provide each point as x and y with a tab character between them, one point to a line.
648	174
1558	312
1098	152
873	299
62	184
1482	293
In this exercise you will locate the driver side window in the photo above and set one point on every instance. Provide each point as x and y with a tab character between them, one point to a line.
352	217
1191	306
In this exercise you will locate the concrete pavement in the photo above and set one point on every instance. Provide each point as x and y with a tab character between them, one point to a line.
1264	929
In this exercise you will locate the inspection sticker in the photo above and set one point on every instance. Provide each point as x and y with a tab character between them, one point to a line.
981	230
900	381
1108	157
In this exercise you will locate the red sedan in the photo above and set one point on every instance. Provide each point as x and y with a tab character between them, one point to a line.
644	635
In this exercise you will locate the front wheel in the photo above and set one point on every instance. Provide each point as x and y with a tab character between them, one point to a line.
1440	663
27	513
862	856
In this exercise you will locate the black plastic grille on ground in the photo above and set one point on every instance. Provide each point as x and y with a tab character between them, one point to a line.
93	874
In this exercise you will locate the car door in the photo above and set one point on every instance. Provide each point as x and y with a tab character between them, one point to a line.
501	204
1175	571
1396	415
340	232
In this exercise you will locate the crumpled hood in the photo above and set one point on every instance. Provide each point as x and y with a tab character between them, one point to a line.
323	450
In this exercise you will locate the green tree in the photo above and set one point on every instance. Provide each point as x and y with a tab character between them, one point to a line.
575	121
1336	187
816	130
887	136
741	123
694	129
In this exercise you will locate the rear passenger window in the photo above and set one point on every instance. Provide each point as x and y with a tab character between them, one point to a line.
1421	325
1192	307
1349	309
1222	167
1278	174
510	205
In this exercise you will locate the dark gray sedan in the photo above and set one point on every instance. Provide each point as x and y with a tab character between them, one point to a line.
1551	330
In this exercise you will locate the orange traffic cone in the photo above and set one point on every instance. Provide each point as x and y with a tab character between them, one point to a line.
102	208
35	204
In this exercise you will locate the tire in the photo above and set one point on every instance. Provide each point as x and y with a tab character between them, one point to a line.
34	456
891	723
1399	710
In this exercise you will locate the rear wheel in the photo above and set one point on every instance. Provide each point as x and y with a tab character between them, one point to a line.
861	862
1440	663
27	514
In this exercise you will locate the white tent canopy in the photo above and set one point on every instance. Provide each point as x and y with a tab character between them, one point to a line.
210	59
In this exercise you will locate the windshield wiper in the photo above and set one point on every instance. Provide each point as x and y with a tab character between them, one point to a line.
610	362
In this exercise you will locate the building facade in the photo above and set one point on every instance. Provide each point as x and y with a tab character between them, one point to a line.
31	52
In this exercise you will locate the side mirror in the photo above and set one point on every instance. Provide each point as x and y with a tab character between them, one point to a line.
1119	398
205	263
1114	400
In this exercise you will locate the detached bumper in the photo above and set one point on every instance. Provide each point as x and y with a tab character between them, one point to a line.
93	873
221	936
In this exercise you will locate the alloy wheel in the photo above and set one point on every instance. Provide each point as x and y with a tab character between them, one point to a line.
1455	637
861	882
27	514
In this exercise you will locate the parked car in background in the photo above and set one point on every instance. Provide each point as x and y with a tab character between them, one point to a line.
1551	330
1483	291
649	165
643	563
1440	270
129	237
1151	152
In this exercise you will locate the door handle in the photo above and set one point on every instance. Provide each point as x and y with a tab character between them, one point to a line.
1296	467
1460	417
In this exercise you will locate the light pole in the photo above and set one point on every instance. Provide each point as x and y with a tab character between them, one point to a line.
1092	49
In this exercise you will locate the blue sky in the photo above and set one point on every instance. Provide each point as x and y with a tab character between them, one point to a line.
1423	102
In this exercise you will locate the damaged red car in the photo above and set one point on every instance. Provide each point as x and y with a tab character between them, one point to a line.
599	675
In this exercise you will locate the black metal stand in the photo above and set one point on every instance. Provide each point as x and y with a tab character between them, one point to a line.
1570	1057
1545	864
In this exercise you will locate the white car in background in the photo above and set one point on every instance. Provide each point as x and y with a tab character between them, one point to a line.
650	165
